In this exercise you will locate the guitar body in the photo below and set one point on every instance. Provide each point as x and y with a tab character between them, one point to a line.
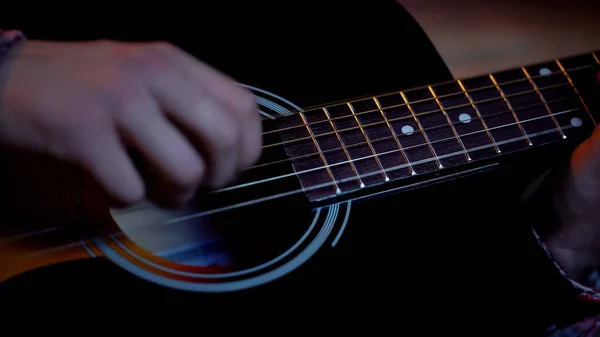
435	238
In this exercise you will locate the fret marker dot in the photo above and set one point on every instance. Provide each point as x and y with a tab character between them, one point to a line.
407	130
576	122
545	72
465	118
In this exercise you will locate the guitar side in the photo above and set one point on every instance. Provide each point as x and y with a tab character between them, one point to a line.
42	220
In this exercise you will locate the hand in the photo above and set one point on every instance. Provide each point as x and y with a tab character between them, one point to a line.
575	243
91	103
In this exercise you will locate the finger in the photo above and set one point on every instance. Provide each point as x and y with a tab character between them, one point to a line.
215	131
224	133
105	158
163	194
209	79
252	142
179	167
158	190
208	123
239	101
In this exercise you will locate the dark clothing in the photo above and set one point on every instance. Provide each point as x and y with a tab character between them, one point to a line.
479	271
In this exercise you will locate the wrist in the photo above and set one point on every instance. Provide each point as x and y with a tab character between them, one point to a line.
577	263
573	238
563	223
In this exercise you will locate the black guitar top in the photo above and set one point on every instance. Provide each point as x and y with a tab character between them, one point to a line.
459	253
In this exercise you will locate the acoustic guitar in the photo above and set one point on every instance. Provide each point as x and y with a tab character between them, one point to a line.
319	164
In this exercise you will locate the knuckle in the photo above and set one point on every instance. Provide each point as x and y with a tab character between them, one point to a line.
255	152
229	136
191	175
246	104
133	195
254	141
163	47
130	101
154	56
115	82
80	146
120	87
121	94
85	122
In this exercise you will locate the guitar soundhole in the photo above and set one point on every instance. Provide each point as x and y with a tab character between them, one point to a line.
217	245
234	240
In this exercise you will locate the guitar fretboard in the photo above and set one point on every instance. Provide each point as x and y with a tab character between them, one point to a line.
351	145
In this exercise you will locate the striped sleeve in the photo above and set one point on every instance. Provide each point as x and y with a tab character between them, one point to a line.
8	38
585	290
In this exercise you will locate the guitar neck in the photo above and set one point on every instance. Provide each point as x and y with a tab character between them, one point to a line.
349	146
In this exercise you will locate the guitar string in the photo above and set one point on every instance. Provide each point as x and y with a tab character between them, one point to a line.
403	149
461	93
431	159
298	191
357	99
413	115
334	182
399	149
372	141
376	172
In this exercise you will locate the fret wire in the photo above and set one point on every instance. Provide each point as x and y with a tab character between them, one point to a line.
423	134
289	193
479	116
511	109
395	136
368	141
420	114
331	104
284	194
339	138
545	103
401	149
419	101
458	138
566	74
596	57
308	128
395	151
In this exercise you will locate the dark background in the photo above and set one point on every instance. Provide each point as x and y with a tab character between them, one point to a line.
466	263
